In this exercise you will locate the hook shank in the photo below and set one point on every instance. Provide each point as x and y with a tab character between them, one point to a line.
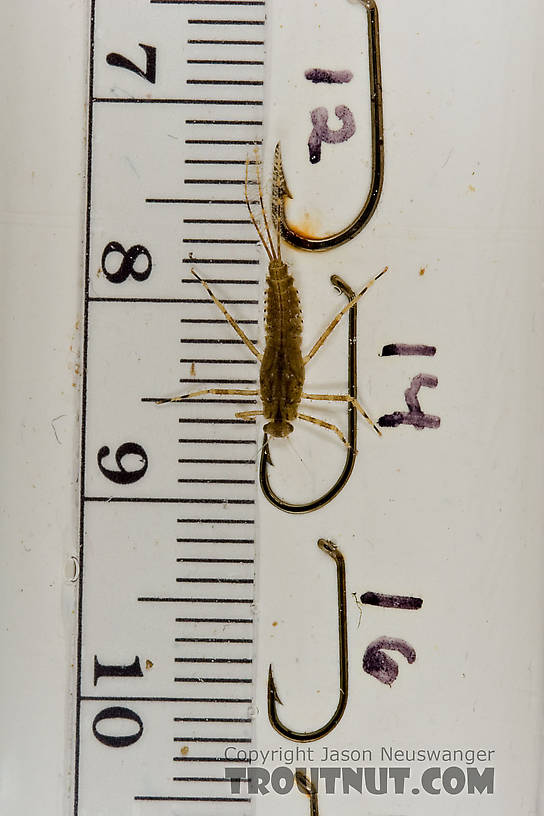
307	788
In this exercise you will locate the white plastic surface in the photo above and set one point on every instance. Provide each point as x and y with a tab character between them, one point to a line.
44	70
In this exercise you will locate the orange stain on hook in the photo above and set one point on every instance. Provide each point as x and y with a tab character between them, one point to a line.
308	227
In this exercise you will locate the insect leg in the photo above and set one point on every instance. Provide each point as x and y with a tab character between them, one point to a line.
247	414
336	320
344	398
242	392
323	424
241	334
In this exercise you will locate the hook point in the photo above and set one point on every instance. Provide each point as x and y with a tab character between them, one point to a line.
279	182
266	451
272	691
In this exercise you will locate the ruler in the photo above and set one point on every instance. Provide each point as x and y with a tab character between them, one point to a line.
166	586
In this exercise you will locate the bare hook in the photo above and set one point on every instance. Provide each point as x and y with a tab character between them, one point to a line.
307	787
309	736
266	459
281	189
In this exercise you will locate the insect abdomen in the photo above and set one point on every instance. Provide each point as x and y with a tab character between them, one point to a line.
283	322
282	367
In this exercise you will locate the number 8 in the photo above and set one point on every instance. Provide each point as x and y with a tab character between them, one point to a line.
126	268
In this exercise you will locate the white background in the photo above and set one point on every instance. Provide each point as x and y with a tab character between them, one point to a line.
452	515
44	65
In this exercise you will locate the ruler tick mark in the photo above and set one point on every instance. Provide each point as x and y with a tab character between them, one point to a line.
211	560
214	521
233	680
219	201
215	581
141	300
225	42
190	799
163	500
227	62
217	481
219	241
217	442
212	739
219	462
222	122
130	100
208	2
213	620
209	759
226	22
225	82
162	699
216	540
217	161
201	779
215	181
217	361
212	660
152	599
216	321
213	341
203	401
227	261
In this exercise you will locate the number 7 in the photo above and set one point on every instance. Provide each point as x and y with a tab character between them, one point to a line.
150	72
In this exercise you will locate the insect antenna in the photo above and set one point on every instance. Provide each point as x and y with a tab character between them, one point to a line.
268	249
263	211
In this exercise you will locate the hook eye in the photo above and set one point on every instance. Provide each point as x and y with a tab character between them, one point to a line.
328	547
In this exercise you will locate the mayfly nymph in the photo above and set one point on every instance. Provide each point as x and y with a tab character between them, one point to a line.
282	363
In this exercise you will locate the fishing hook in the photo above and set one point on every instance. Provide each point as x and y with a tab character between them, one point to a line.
307	787
280	188
309	736
266	459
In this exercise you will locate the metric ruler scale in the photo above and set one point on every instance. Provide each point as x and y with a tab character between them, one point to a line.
165	652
